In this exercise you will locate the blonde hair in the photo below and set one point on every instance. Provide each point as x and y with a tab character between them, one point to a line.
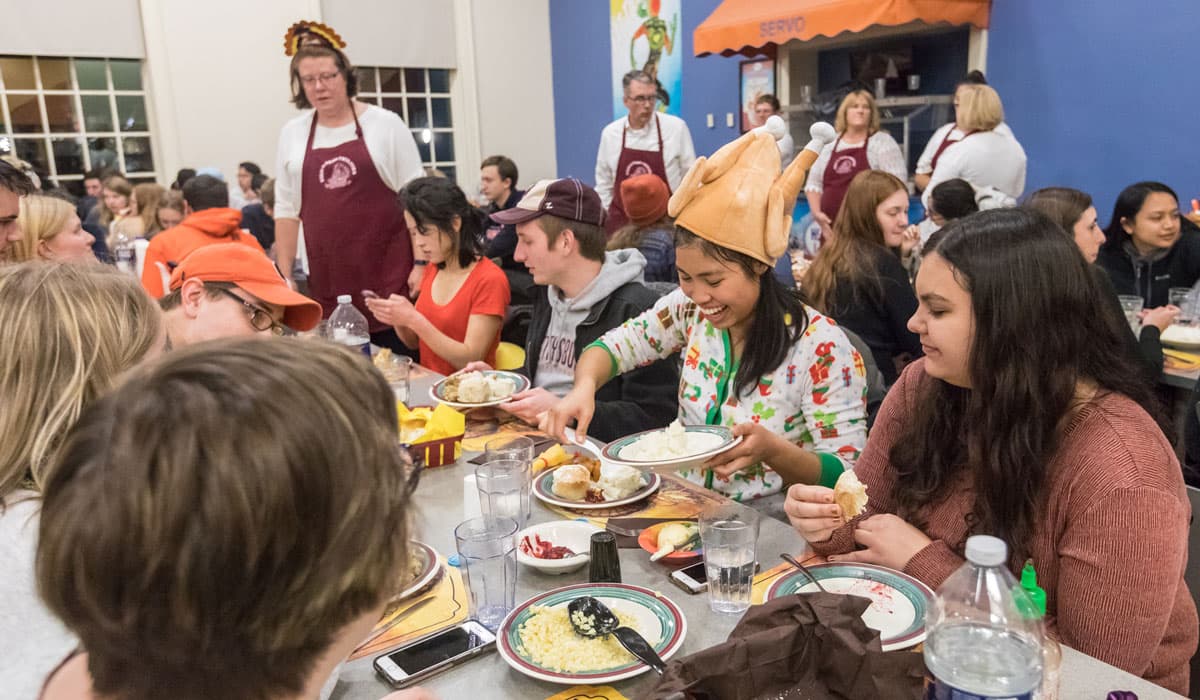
149	198
117	184
69	332
979	108
839	123
41	218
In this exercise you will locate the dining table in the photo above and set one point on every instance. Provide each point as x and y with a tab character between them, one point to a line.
439	505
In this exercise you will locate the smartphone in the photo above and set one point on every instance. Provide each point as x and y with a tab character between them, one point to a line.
434	653
693	579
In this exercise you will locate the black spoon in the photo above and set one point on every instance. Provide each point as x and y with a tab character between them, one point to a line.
591	618
803	569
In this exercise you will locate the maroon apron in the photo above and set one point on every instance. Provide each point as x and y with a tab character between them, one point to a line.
946	143
354	229
632	162
839	171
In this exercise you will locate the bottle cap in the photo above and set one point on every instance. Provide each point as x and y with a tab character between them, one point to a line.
985	550
1030	585
344	299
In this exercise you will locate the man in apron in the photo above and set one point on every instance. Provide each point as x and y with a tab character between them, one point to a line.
644	141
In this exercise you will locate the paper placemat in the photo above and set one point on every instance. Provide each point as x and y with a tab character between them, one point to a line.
450	606
589	692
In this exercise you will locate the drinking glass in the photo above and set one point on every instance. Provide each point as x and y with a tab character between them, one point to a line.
487	552
729	534
504	486
1131	304
1182	297
397	371
516	447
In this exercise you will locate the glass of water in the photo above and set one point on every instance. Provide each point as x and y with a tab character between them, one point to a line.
397	370
487	552
1183	298
518	447
728	534
1131	304
504	486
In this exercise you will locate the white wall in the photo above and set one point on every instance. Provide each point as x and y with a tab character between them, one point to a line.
108	29
514	89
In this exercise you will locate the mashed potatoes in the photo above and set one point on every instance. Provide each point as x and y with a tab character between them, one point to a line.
550	641
673	442
477	387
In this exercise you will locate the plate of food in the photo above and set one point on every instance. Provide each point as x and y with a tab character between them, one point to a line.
422	569
537	638
675	540
478	389
586	484
1182	337
677	446
898	601
556	547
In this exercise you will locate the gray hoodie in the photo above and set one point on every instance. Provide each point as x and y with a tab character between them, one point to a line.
556	364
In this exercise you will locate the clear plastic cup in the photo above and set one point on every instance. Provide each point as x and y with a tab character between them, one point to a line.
1185	300
504	486
729	535
1131	304
518	447
487	553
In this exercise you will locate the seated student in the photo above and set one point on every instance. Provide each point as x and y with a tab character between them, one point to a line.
208	220
755	357
258	217
70	332
228	290
858	278
170	210
1072	210
1021	422
457	317
951	200
53	232
649	230
1147	248
498	185
588	292
191	562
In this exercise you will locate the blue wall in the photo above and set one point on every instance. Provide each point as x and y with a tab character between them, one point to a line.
1101	95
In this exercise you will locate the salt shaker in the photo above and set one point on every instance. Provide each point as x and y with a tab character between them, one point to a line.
605	564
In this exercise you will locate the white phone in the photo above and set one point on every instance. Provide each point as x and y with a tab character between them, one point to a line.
691	578
434	653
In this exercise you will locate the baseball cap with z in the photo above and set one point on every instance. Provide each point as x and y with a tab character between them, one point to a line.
252	271
567	198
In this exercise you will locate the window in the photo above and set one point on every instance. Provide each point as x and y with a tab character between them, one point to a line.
68	115
421	96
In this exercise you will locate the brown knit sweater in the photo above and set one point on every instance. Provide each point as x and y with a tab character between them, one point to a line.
1109	548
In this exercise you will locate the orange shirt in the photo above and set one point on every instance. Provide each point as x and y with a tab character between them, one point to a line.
485	291
204	227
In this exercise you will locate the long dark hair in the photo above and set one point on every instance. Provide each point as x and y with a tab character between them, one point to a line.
1062	205
1037	336
779	316
1128	204
436	201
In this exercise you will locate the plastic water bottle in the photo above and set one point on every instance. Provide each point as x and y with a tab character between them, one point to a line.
347	326
124	255
983	642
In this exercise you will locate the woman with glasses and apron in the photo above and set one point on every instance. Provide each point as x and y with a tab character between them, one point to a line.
339	168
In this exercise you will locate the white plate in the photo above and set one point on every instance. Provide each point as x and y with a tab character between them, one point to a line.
520	381
543	482
612	451
574	534
1182	337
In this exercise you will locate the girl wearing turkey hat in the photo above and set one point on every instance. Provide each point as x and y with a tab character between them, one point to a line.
755	358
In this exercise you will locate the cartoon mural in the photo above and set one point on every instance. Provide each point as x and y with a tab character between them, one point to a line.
645	36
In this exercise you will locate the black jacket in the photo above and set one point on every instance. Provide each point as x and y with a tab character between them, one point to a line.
629	403
501	241
1152	279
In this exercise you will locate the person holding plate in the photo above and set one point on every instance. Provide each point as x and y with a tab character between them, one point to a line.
755	357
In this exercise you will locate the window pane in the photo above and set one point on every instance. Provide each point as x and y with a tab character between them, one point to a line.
90	74
415	79
126	75
443	145
389	80
25	114
422	144
441	111
131	113
450	171
103	152
56	73
418	114
60	113
137	155
68	156
33	151
439	80
18	73
395	104
366	79
97	113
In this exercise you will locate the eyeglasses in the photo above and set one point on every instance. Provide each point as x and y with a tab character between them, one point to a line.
310	80
260	318
643	99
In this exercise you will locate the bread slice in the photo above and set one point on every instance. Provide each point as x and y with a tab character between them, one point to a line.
851	496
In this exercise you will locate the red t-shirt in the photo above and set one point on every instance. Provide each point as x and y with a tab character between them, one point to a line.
485	291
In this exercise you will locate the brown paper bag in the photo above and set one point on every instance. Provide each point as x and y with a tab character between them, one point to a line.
813	646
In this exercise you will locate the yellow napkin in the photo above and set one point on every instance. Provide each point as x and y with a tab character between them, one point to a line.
1177	359
589	692
424	424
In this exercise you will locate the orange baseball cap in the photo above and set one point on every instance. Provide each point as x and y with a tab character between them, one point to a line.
254	272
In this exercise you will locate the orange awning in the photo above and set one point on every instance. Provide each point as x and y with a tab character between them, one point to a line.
749	26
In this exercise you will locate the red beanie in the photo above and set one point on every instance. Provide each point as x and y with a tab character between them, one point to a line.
645	198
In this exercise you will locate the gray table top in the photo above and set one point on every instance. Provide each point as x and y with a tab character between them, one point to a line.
439	502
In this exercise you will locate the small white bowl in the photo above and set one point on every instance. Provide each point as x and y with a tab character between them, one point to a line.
573	534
